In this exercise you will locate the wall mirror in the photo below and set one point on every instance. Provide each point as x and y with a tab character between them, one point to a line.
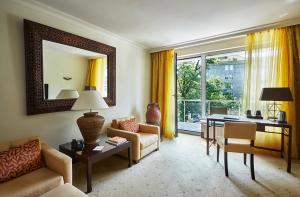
69	70
59	65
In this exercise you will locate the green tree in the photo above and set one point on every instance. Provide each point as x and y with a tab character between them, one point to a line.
189	80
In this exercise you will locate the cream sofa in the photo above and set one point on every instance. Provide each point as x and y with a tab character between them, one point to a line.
145	141
57	171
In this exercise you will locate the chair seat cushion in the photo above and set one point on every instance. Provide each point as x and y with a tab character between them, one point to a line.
65	190
147	139
235	145
32	184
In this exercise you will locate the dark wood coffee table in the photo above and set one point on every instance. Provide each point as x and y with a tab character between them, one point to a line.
90	157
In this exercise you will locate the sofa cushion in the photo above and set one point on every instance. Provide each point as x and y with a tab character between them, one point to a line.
31	184
129	125
20	160
147	139
65	190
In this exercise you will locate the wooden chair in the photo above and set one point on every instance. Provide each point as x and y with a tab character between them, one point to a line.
239	138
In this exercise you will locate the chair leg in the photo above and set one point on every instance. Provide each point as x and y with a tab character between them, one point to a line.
245	158
226	164
252	166
218	152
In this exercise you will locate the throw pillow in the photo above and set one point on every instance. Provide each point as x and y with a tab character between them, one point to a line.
20	160
129	125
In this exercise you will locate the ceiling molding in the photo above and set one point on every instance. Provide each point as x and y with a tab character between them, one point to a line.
227	36
72	19
206	40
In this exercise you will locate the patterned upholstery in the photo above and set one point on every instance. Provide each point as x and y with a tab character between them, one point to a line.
129	125
20	160
116	122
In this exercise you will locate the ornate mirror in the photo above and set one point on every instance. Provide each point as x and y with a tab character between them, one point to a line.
59	65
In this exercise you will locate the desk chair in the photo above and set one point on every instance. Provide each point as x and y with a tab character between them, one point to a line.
239	138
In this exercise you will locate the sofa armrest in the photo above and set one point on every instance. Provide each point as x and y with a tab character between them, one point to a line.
130	136
58	162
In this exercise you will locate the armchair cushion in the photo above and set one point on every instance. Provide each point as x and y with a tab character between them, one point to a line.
129	125
116	122
20	160
147	139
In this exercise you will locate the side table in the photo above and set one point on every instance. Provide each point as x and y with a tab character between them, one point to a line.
90	157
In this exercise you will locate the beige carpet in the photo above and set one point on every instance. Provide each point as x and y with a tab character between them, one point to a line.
181	168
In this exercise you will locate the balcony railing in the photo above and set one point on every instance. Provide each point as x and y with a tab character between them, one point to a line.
190	111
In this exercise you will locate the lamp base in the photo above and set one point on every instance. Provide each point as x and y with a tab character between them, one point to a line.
90	125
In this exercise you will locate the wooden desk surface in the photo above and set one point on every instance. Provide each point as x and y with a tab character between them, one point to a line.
223	118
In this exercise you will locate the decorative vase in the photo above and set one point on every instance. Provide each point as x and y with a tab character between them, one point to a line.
90	125
153	115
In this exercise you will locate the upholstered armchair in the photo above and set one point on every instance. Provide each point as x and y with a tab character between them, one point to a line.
145	141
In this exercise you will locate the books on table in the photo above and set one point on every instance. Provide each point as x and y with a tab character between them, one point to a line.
98	148
116	140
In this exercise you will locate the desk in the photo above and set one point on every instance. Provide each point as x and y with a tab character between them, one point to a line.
286	130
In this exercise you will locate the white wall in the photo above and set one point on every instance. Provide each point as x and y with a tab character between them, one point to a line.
227	44
133	77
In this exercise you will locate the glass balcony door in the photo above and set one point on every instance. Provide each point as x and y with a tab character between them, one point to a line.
209	84
189	104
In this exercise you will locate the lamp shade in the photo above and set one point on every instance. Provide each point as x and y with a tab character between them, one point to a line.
67	94
88	100
276	94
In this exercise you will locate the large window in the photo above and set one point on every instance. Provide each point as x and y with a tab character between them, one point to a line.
219	92
224	83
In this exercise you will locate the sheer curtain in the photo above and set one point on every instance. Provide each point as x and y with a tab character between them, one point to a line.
273	61
262	69
162	89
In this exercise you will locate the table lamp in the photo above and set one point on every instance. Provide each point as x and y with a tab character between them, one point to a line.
275	94
67	94
90	124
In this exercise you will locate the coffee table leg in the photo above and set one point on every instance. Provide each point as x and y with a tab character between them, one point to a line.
129	156
89	176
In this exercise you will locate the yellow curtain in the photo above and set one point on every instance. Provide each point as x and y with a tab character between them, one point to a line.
96	75
162	89
101	73
290	77
269	64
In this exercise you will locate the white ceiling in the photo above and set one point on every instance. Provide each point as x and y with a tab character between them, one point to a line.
158	23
